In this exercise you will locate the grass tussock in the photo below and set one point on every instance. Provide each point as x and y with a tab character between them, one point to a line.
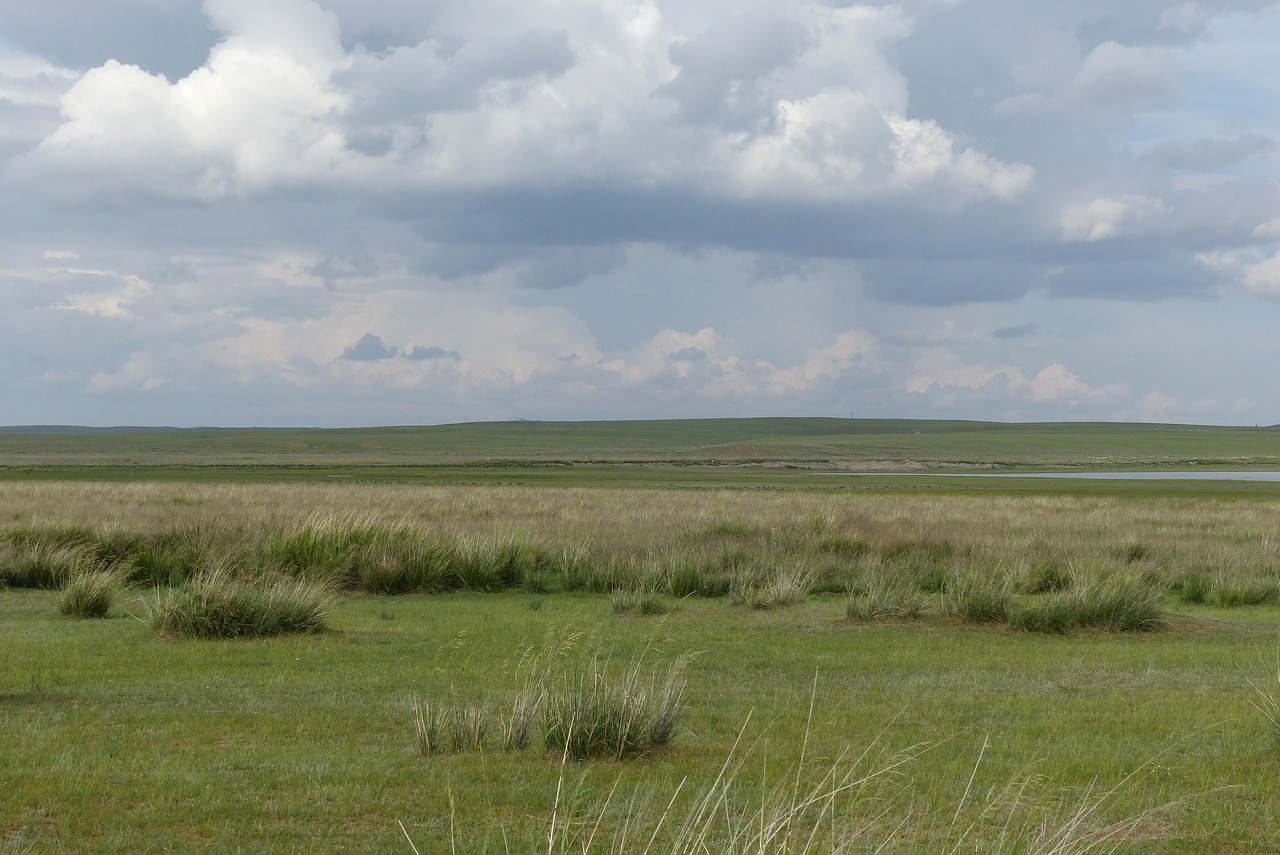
90	594
324	548
597	711
591	710
1118	603
1232	591
405	561
43	565
692	574
763	551
1266	700
643	600
1193	587
220	603
763	588
978	597
883	597
1045	577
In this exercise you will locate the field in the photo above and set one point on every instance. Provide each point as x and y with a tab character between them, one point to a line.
885	664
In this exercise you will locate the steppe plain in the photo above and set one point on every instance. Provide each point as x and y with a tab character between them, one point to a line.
893	661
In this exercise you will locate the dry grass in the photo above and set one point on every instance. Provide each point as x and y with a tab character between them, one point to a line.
769	548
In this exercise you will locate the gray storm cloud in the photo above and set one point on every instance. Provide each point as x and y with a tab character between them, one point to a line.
600	207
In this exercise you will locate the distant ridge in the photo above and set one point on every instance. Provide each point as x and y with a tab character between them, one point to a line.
81	429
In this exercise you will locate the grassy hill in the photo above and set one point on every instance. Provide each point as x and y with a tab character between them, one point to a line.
790	441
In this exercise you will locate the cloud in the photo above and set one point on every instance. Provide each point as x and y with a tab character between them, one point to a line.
1105	218
725	72
420	352
689	354
1253	271
1209	152
1125	78
281	102
30	88
1053	383
1057	383
853	350
322	210
371	349
142	372
256	115
1262	278
1016	331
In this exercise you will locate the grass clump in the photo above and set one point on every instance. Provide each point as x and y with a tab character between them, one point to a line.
646	601
41	565
595	712
882	598
692	575
1235	591
324	547
1117	603
586	712
1194	587
979	598
577	567
405	562
1046	577
492	564
223	604
767	588
1056	615
1133	551
451	728
843	546
1267	701
89	595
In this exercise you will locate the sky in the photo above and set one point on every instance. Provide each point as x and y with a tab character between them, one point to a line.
366	212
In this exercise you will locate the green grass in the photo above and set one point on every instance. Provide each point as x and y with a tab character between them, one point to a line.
311	741
299	742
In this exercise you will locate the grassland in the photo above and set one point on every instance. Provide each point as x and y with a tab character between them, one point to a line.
120	734
895	443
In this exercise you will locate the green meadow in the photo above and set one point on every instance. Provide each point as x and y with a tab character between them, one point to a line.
637	637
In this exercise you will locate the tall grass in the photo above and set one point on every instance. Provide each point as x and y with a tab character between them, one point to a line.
642	599
324	547
1233	590
42	565
979	597
90	594
765	550
597	711
767	587
588	710
222	603
403	561
1118	602
883	597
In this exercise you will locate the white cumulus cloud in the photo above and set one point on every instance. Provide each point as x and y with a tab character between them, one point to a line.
1104	218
